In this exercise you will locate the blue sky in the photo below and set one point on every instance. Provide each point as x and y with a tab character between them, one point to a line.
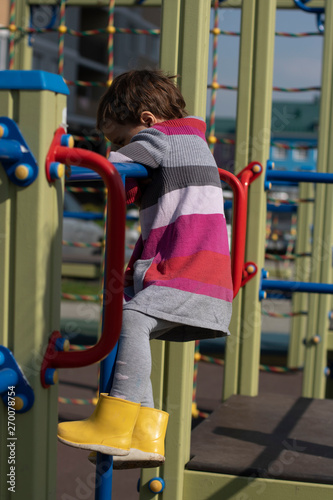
297	61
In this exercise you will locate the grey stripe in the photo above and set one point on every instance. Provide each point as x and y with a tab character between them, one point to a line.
139	154
165	180
148	147
188	150
183	307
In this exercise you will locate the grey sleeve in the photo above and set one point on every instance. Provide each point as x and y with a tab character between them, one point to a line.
149	147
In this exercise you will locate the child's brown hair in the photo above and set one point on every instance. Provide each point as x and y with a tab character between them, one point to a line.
136	91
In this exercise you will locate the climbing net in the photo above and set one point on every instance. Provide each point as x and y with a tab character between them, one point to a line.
215	86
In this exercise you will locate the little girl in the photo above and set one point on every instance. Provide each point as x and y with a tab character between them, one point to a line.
178	282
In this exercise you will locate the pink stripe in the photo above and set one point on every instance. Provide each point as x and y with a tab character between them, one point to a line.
188	235
187	285
181	130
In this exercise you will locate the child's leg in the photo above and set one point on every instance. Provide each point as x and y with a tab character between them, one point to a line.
148	398
133	364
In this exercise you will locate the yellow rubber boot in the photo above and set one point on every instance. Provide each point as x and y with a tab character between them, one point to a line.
147	448
108	430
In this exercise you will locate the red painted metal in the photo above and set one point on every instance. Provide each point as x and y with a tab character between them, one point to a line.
247	276
239	186
51	152
115	238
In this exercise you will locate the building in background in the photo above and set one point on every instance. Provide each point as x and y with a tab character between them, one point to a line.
86	58
294	134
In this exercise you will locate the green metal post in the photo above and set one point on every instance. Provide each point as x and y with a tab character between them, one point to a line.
261	106
30	258
321	269
23	53
170	32
245	81
302	273
252	143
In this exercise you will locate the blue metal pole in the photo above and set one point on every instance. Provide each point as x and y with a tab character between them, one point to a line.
104	463
296	286
271	207
290	176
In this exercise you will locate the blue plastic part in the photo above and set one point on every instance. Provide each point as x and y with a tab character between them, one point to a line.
23	398
49	376
64	141
54	172
10	150
8	379
160	480
14	151
264	274
2	358
29	170
5	132
262	293
59	343
32	80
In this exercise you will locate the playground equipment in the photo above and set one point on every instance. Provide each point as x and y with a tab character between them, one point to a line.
31	217
271	471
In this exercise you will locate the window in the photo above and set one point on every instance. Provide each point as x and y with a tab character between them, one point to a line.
3	49
300	154
279	153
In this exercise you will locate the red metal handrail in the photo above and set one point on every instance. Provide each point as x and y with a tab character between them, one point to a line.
239	186
115	238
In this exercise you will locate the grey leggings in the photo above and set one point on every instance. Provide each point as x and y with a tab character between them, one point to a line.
133	364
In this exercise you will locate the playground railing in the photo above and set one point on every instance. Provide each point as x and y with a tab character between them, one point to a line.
113	293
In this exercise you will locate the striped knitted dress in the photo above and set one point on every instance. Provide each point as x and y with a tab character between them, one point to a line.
180	269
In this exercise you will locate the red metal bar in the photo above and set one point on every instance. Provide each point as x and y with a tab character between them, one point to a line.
115	238
239	186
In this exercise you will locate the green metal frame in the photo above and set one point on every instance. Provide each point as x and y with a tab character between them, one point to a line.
204	485
305	214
